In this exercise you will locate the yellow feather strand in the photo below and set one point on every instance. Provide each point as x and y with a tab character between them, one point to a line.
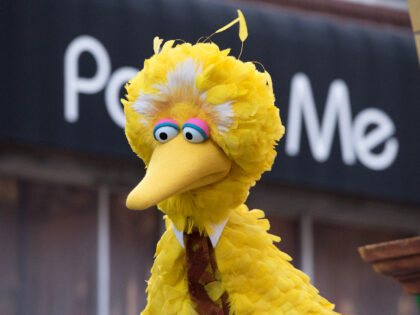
156	44
243	30
224	28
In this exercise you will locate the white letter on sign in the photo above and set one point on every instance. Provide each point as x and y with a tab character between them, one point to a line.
73	84
337	112
365	142
112	93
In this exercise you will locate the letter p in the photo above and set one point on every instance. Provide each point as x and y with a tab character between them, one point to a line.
73	84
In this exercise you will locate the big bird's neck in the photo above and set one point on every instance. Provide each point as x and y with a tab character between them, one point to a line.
207	227
206	206
201	208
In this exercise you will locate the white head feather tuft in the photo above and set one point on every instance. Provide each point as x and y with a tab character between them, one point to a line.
181	86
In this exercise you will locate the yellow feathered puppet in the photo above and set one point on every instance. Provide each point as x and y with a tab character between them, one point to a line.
205	125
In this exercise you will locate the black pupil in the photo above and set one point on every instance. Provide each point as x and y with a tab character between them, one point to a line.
163	136
189	135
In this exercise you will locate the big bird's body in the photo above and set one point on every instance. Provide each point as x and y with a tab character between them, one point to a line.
257	276
200	177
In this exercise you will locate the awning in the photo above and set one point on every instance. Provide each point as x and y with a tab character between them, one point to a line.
349	95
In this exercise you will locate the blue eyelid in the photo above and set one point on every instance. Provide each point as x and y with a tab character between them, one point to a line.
201	131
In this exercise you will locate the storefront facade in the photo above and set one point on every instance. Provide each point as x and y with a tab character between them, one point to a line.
346	173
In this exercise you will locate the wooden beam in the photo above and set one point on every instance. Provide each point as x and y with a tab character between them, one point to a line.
414	9
399	259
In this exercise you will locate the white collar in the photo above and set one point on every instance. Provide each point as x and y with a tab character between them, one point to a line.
214	237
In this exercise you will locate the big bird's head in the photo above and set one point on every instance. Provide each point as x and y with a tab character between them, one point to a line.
205	125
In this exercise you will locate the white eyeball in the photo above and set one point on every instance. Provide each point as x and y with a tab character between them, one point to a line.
165	133
193	135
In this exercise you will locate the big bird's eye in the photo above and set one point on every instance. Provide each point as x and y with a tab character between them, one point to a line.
165	130
195	130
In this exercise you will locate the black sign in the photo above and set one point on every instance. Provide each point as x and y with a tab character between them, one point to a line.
348	95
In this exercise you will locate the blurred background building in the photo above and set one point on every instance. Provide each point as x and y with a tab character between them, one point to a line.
347	82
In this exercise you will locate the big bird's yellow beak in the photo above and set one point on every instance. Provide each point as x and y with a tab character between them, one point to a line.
178	166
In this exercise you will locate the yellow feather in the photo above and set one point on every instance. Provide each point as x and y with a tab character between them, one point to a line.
268	79
156	44
243	30
168	45
214	290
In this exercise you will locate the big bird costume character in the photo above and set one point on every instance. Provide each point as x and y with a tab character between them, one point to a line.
205	125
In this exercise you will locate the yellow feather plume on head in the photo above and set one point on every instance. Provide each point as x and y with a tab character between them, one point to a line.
235	100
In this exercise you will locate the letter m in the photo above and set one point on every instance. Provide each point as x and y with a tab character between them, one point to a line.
320	136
